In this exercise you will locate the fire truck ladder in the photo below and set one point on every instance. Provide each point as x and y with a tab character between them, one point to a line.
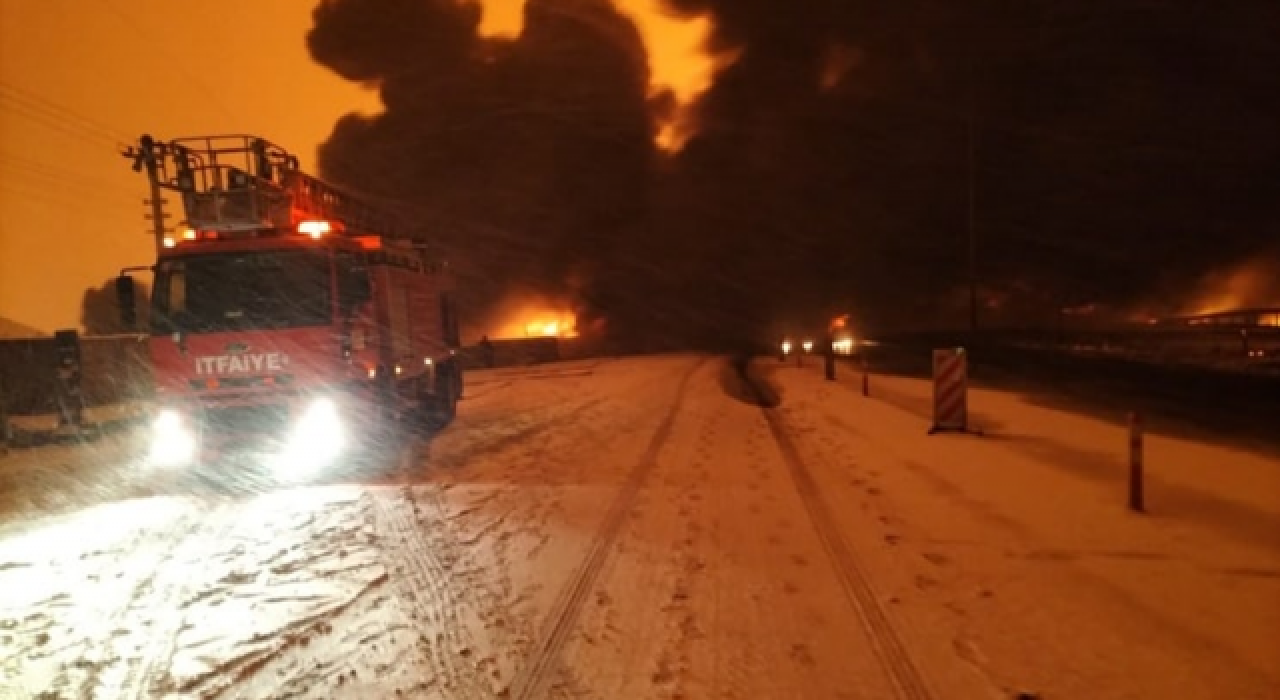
245	184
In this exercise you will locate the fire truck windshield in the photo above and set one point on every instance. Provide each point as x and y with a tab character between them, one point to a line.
242	291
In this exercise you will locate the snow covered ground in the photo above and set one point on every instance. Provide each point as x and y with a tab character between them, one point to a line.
634	528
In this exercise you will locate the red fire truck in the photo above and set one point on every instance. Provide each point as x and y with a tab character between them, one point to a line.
286	315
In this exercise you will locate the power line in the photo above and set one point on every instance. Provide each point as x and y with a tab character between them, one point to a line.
61	198
176	63
23	174
65	175
64	189
66	127
59	112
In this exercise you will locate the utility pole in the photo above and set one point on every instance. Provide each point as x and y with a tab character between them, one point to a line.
157	213
144	156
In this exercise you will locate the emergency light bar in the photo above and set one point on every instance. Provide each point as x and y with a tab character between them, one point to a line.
315	228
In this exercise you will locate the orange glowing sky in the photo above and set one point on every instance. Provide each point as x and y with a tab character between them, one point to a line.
70	207
77	77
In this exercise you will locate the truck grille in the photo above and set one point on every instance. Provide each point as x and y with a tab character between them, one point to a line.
255	419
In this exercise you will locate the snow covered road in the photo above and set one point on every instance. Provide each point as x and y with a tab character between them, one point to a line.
640	528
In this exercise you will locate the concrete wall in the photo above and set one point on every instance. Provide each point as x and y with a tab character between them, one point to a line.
114	369
513	353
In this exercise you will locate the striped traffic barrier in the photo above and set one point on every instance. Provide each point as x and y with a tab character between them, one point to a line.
950	390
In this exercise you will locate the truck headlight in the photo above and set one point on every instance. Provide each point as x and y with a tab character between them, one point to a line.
172	444
317	439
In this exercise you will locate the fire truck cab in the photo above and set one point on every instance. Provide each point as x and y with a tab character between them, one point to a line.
287	316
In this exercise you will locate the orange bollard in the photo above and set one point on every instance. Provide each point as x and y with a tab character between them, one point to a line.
1136	503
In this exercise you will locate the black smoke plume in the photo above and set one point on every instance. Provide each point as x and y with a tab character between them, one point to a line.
100	310
1117	148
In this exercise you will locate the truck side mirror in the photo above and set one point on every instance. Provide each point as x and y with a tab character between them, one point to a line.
126	299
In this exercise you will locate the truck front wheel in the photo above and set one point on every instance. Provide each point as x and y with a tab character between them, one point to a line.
442	405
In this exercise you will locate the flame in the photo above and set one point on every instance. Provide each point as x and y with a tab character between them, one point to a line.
1253	283
677	47
525	314
563	326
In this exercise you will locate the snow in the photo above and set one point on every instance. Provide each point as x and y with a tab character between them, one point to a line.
634	528
1020	540
96	599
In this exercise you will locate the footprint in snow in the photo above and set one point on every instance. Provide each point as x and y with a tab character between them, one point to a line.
936	558
801	655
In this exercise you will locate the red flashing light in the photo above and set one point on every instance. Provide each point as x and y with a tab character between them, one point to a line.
315	229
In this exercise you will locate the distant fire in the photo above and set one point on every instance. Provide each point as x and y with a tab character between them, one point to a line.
530	315
563	325
1254	283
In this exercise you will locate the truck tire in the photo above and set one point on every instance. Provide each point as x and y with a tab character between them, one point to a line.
442	406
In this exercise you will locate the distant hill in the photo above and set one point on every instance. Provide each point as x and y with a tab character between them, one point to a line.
13	329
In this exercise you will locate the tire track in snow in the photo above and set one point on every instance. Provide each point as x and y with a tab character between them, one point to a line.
893	656
532	681
515	437
510	636
425	584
